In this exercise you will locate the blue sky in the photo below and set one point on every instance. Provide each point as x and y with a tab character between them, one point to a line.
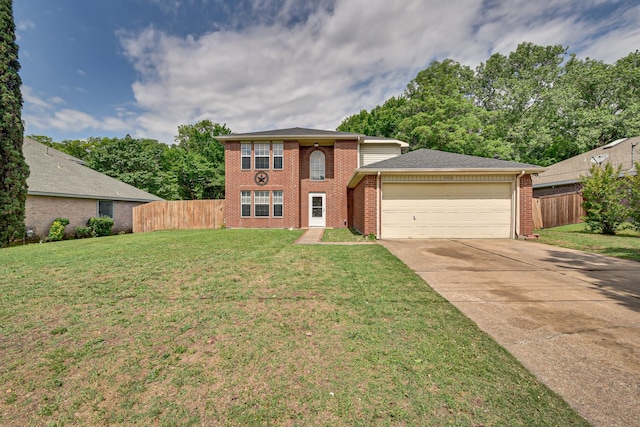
144	67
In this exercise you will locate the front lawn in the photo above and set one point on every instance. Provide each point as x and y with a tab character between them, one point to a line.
242	327
625	244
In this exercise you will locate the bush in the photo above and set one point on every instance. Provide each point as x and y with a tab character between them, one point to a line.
83	232
56	232
604	196
633	197
101	226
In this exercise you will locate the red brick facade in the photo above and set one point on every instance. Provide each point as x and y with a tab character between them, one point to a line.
365	206
526	206
356	207
341	159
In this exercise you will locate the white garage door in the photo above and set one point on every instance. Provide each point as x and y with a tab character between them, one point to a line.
449	210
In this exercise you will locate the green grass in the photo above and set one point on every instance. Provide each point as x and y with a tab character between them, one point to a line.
242	327
344	235
625	244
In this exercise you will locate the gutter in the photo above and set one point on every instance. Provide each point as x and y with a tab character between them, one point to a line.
93	197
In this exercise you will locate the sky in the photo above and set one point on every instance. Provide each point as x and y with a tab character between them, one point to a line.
108	68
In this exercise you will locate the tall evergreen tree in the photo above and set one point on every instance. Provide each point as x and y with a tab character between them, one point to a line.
13	168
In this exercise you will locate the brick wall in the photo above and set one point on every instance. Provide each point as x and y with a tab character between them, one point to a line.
286	180
557	189
341	160
365	206
40	211
526	205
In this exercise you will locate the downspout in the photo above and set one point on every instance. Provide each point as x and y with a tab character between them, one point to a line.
378	206
518	204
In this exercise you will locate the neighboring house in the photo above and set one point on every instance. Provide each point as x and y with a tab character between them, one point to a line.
564	177
59	185
299	178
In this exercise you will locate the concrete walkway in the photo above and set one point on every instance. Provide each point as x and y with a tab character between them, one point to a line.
311	237
571	318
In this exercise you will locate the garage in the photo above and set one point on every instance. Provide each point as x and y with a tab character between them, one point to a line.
434	194
447	210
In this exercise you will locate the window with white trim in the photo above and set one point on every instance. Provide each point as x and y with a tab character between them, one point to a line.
278	155
105	208
278	203
246	155
261	155
261	203
245	203
316	166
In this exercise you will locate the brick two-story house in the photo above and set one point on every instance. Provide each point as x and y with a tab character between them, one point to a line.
299	178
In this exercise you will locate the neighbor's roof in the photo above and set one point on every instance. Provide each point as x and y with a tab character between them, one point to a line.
430	161
54	173
290	133
622	152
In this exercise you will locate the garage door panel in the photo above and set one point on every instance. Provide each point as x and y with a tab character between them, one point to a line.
446	210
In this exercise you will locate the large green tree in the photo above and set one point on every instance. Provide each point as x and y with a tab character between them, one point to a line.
198	160
138	162
13	168
537	104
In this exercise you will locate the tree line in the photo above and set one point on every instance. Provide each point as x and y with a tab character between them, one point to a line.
193	168
537	104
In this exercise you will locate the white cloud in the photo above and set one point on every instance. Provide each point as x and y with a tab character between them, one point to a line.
25	25
42	113
290	63
314	73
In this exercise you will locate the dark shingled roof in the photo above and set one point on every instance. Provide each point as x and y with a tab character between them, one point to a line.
433	159
291	132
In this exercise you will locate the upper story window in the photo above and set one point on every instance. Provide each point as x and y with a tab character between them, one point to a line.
246	155
316	166
278	154
261	155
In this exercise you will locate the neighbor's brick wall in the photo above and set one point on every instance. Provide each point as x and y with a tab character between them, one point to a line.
558	189
237	180
364	206
40	211
526	206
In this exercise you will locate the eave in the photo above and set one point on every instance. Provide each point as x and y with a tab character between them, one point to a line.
360	173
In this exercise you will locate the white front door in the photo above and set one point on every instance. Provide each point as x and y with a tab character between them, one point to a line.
317	210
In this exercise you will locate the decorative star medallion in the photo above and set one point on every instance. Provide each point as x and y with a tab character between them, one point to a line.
261	178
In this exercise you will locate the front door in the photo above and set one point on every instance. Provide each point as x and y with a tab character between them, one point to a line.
317	210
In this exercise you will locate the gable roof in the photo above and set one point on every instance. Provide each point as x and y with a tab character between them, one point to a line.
290	133
54	173
433	161
622	152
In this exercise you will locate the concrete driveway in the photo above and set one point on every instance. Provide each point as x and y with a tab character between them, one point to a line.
571	318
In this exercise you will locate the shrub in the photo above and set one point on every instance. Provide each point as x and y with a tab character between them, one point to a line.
101	226
604	198
633	197
83	232
56	232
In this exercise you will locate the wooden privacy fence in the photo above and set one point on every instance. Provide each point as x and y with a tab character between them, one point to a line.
178	215
560	209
